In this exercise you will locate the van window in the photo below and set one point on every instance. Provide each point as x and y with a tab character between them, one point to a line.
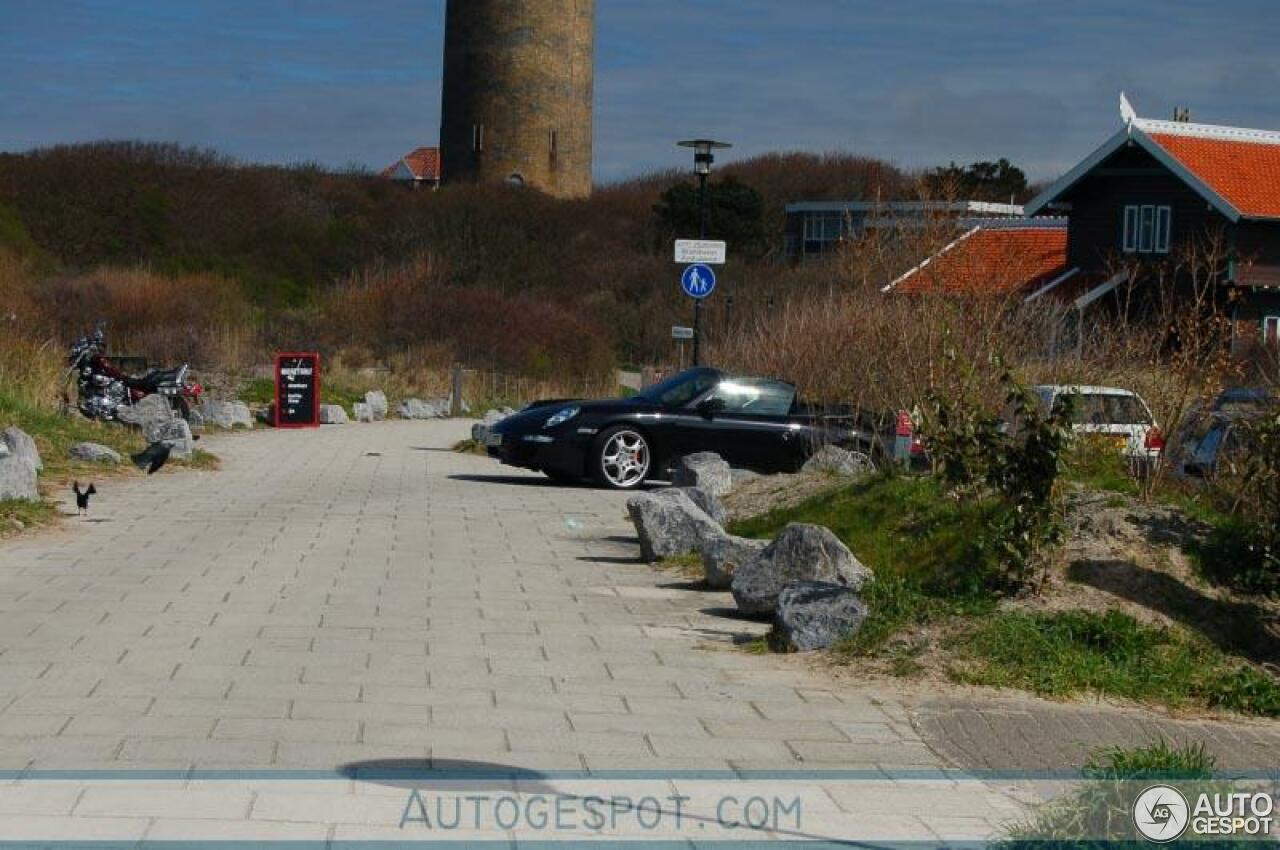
1102	409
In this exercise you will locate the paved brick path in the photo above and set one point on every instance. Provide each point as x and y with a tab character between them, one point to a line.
362	594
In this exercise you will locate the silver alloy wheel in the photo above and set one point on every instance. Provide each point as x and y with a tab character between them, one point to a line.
624	460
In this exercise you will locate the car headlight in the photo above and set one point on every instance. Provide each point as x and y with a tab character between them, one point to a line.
562	416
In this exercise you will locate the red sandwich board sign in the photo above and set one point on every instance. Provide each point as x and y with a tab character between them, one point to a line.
298	390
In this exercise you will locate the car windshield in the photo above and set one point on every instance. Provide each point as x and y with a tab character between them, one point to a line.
681	389
759	396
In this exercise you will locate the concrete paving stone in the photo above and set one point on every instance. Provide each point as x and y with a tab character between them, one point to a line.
309	755
287	730
226	803
898	754
420	735
118	726
31	725
637	723
169	830
722	748
328	808
675	706
40	829
147	752
328	691
474	717
442	697
183	707
38	799
370	712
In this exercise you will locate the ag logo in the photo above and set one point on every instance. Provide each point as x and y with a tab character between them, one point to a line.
1161	813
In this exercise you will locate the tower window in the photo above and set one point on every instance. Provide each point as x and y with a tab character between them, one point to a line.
553	143
477	137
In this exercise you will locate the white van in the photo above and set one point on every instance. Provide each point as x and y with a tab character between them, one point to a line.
1119	414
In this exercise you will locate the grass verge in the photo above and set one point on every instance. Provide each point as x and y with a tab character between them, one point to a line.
16	515
470	447
1075	652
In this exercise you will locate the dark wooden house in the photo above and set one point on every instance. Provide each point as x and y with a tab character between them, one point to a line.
1156	186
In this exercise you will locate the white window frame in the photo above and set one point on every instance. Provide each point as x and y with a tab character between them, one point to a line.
1146	229
1164	227
1270	329
1130	244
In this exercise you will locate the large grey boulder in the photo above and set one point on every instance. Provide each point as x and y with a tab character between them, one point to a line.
710	505
377	403
722	556
704	469
416	408
838	461
148	414
800	553
333	414
95	453
816	614
176	433
226	414
18	465
363	412
669	524
21	444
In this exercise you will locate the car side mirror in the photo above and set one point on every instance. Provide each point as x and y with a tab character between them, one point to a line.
709	407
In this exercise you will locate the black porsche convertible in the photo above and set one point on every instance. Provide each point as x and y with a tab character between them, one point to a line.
753	423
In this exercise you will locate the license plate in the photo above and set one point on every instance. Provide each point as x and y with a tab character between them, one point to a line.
492	439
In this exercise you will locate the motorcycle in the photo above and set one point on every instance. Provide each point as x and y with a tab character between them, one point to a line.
103	387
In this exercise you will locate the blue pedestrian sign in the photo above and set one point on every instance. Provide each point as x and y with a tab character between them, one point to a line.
698	281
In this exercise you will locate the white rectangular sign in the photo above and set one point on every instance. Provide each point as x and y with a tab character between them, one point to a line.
678	332
710	252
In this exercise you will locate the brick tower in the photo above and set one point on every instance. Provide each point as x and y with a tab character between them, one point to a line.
518	89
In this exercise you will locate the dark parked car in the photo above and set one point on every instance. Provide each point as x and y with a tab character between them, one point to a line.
753	423
1218	439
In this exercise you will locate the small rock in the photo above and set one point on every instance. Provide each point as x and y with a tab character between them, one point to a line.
18	466
416	408
95	453
838	461
333	414
704	469
267	415
670	525
710	505
196	419
816	614
177	434
741	476
363	412
800	553
226	414
722	556
376	400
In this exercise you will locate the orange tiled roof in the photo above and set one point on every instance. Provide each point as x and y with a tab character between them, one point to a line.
992	261
424	163
1245	173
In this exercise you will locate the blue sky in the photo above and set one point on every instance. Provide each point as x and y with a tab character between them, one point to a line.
918	83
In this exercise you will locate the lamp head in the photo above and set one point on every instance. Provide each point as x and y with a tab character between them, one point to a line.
703	153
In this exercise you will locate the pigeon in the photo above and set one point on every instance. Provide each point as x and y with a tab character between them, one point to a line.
82	496
152	457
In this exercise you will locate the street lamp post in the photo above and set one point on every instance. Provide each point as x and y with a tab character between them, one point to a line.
703	158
